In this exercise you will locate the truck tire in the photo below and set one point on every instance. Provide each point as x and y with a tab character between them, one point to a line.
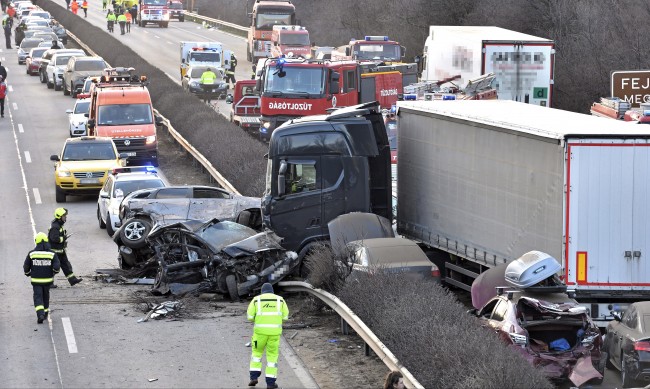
231	283
165	25
134	232
59	194
181	19
102	225
141	23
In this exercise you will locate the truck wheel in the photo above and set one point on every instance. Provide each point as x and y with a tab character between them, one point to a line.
181	19
134	232
109	226
231	283
165	25
59	194
102	225
73	93
65	90
154	162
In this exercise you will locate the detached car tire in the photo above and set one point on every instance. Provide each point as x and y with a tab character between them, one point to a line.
134	232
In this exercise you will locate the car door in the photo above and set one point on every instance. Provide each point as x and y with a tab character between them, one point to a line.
207	203
168	203
105	195
620	333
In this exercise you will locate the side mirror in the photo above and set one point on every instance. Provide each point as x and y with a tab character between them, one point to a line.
68	111
281	180
617	316
402	51
91	123
159	121
103	195
229	99
54	158
347	51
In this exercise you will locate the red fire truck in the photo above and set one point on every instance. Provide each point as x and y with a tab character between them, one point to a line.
245	101
265	15
371	48
296	87
153	11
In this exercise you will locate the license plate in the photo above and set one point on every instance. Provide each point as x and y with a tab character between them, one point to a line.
130	154
89	180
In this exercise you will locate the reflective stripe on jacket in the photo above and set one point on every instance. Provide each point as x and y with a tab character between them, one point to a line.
41	264
268	311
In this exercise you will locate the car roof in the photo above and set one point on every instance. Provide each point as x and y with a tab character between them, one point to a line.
392	251
94	139
138	176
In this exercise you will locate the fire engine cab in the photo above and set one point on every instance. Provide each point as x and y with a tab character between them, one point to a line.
371	48
292	40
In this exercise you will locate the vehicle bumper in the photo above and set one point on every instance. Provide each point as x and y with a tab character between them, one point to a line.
139	154
78	130
74	185
22	58
33	68
274	122
216	91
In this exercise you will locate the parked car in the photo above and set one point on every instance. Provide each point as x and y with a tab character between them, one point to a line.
627	344
77	117
26	45
526	305
56	67
39	13
222	256
77	69
120	183
141	209
33	60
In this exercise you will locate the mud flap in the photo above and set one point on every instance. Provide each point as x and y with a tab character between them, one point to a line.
583	371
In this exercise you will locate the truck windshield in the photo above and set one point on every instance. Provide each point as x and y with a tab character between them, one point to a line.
267	21
90	66
89	152
123	114
204	56
294	39
383	52
176	5
297	80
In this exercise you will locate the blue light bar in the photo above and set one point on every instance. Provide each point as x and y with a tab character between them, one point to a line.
410	96
449	97
376	38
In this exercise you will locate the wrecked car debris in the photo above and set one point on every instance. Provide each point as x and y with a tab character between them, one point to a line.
222	256
162	310
548	328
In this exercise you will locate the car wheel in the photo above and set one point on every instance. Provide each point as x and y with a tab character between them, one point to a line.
41	77
628	382
59	194
73	93
109	226
48	83
65	90
102	224
231	283
134	232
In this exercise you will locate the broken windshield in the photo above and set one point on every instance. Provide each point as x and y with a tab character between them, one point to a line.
297	80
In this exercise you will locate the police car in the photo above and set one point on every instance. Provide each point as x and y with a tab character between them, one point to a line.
120	183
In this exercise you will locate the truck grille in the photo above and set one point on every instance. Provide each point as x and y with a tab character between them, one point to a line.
133	143
89	174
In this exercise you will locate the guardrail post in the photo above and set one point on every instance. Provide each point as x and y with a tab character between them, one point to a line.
345	330
367	347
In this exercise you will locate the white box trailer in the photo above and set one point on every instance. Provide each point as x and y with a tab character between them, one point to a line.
483	182
523	64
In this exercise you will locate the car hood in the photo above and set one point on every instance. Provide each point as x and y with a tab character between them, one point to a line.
78	117
87	165
357	226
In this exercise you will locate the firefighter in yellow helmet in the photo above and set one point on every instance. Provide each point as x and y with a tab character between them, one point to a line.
267	311
41	265
58	238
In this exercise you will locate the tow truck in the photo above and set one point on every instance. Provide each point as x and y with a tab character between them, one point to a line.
296	87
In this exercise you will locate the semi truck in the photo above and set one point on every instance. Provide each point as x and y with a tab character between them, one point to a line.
523	64
482	182
266	14
290	41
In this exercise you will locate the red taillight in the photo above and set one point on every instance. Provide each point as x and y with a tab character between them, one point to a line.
435	272
642	346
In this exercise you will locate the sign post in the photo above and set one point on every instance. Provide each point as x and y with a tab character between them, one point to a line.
632	86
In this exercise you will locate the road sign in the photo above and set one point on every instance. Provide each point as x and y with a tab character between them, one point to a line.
632	86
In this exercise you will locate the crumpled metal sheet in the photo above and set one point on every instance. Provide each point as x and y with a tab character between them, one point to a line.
162	310
583	371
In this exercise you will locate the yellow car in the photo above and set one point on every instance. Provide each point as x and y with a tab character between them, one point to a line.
83	165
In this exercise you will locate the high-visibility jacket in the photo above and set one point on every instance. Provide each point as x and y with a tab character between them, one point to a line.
84	4
41	264
121	18
233	65
128	16
111	17
268	311
56	235
208	77
74	6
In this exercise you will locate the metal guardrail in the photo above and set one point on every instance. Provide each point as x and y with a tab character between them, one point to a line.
207	165
216	21
359	327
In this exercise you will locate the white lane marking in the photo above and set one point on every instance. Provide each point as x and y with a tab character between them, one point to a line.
37	196
169	43
15	106
157	36
20	128
28	157
10	88
69	335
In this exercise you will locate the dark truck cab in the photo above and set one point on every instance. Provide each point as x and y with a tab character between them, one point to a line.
320	167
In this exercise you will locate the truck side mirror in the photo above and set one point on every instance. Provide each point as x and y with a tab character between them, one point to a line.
258	84
68	111
91	123
159	120
347	51
402	51
229	99
281	180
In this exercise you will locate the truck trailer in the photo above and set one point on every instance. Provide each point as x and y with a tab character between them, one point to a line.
482	182
523	64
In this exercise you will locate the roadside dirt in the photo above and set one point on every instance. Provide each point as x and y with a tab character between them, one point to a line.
334	360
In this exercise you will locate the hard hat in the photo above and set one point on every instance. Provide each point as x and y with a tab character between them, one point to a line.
60	212
40	238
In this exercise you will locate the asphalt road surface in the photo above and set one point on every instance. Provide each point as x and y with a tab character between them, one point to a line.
92	337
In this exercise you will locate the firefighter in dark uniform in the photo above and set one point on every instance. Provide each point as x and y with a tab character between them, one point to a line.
59	241
41	265
230	72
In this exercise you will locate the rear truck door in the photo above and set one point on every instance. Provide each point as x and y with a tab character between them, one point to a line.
606	214
524	71
297	216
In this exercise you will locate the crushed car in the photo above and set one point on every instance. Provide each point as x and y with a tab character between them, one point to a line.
221	256
526	304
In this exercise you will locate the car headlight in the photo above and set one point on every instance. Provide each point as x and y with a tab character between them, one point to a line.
150	139
194	84
63	173
266	125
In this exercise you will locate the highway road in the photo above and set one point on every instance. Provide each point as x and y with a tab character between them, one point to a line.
92	337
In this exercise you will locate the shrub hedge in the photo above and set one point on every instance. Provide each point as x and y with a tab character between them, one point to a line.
235	154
